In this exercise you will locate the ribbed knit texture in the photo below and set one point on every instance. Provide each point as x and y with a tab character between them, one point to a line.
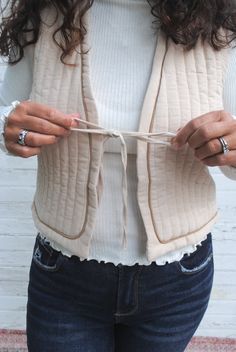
120	62
123	42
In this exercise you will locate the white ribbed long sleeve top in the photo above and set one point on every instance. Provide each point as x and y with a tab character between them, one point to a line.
123	41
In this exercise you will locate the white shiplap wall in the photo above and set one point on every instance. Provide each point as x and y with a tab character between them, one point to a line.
17	232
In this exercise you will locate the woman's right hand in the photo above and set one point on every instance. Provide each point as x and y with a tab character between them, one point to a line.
45	125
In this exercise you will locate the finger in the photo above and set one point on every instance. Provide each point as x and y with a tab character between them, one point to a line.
36	124
33	139
210	131
221	159
47	113
214	147
22	151
186	132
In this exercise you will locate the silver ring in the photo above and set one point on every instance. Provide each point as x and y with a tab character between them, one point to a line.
224	145
21	137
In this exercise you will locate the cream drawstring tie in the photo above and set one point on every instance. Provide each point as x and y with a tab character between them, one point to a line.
143	136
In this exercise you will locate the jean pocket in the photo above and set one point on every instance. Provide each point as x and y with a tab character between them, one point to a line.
45	257
199	260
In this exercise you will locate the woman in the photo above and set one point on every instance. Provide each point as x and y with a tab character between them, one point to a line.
120	266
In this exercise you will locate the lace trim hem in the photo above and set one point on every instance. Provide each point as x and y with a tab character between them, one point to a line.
163	260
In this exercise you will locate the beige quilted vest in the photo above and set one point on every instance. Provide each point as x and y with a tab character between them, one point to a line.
176	194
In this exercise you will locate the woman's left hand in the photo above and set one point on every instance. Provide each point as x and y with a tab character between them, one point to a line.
203	133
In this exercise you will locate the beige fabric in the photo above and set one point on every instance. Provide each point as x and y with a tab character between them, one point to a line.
176	193
147	137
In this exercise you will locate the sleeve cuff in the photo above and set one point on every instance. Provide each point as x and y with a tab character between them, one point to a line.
5	111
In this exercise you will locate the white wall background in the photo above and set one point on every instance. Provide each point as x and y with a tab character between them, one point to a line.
17	234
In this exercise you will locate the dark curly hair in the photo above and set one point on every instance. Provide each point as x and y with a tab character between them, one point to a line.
184	21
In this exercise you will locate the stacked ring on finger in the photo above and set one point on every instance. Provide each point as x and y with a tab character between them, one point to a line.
22	136
224	145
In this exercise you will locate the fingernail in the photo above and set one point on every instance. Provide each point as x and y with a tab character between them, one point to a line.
74	123
175	145
73	117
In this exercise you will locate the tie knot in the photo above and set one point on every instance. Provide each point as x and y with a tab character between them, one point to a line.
113	133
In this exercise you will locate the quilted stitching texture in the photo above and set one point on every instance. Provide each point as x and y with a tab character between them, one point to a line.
176	194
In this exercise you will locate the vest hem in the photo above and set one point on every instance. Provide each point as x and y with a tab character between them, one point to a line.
155	250
82	242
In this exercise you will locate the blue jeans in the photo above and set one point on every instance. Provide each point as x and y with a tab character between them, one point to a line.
86	306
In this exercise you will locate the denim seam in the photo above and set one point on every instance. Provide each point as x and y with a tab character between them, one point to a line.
43	266
52	268
42	242
136	297
197	268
